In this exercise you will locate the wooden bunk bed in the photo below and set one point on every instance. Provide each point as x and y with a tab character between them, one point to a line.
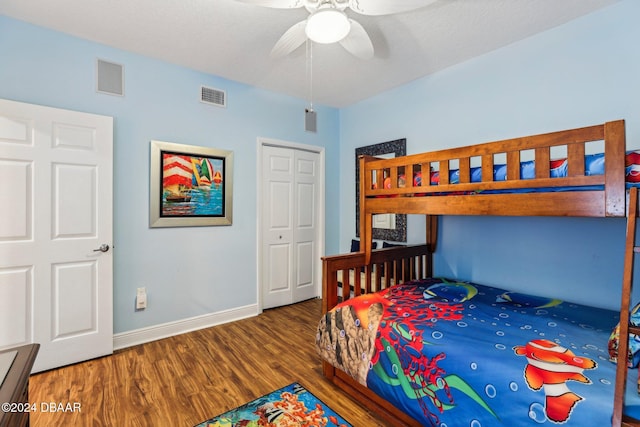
390	186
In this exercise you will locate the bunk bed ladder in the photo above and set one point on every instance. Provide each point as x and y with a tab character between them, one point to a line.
631	249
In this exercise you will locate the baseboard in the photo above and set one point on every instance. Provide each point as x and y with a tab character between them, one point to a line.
165	330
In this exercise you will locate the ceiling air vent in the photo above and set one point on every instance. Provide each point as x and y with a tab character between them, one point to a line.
213	96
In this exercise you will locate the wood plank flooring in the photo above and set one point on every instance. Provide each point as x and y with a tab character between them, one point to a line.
186	379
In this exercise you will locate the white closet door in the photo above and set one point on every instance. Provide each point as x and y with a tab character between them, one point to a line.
305	223
290	230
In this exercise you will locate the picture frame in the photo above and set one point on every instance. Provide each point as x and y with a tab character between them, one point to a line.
395	148
190	186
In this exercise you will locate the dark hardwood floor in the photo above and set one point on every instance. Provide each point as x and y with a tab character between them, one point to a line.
186	379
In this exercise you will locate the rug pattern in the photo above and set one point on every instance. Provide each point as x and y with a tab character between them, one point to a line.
291	406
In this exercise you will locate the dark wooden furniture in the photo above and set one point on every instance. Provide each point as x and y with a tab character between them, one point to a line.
398	193
15	387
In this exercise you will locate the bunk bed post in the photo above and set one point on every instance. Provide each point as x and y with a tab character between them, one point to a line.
614	151
623	335
366	220
329	286
432	240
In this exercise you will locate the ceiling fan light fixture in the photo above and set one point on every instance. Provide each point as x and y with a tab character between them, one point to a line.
327	26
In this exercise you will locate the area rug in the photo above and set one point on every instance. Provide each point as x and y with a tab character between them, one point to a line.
291	406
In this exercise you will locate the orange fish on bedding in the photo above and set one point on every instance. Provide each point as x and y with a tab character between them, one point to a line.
549	367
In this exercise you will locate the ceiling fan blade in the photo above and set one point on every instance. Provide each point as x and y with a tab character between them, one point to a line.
278	4
293	38
357	42
386	7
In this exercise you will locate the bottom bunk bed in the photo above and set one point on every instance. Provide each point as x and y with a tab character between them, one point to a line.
426	351
441	352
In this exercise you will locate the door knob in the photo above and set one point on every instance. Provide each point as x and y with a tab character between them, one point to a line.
103	248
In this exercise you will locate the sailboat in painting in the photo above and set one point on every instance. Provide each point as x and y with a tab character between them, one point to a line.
217	178
176	178
204	174
202	170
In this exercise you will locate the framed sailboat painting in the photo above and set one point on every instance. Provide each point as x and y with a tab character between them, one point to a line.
191	186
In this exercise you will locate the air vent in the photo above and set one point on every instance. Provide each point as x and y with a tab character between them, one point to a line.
213	96
110	78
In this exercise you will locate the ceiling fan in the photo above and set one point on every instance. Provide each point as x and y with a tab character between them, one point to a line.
328	23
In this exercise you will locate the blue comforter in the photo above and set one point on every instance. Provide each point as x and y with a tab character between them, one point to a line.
461	354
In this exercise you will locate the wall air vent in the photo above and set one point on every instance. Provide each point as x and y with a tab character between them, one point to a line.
213	96
109	78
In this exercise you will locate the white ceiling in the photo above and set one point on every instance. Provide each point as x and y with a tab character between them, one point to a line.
233	40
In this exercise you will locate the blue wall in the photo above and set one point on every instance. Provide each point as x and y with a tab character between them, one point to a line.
582	73
187	271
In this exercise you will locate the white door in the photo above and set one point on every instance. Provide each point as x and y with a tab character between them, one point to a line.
56	267
291	194
305	228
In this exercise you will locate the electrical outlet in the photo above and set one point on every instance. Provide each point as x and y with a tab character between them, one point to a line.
141	299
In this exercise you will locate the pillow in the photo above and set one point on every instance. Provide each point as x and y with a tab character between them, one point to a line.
527	169
632	165
355	245
594	164
391	245
558	168
417	179
633	355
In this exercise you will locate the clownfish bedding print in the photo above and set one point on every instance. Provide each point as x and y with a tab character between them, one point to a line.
551	366
452	353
